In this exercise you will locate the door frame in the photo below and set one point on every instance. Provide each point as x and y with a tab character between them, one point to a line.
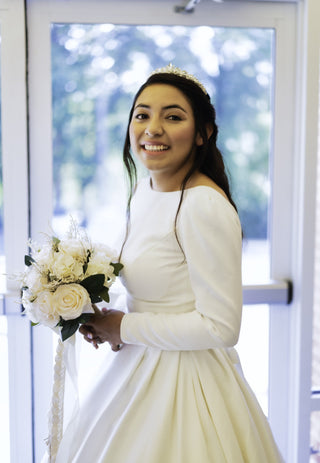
294	178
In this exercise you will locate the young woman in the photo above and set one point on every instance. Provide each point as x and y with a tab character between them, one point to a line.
173	392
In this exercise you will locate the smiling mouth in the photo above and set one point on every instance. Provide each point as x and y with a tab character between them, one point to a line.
156	148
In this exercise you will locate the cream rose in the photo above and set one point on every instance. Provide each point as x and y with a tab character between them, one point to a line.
42	309
100	263
71	301
43	255
34	281
66	268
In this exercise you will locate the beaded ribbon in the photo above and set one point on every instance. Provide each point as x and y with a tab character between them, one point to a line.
57	402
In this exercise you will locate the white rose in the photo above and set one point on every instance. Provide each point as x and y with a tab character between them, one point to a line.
71	301
101	248
65	267
34	280
42	309
100	263
43	255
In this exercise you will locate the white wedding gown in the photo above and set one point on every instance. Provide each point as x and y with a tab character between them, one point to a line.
175	393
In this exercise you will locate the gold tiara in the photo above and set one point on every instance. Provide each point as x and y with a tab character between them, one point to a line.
171	69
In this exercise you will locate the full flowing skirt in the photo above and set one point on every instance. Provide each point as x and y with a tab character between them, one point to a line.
155	406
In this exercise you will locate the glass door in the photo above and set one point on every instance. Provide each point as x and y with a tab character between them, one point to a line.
80	112
96	70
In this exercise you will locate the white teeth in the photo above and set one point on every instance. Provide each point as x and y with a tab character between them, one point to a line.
156	147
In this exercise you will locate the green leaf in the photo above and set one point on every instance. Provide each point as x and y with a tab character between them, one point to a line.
94	283
55	243
34	324
28	260
117	267
104	294
68	329
95	298
85	265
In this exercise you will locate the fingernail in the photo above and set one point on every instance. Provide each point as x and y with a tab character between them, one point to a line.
89	335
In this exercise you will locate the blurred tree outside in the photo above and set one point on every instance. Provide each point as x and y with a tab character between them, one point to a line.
96	70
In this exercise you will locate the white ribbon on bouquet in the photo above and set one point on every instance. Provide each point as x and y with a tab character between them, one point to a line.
65	362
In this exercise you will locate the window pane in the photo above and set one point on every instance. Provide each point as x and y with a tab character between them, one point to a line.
2	258
4	392
96	70
315	437
4	382
316	322
316	307
253	349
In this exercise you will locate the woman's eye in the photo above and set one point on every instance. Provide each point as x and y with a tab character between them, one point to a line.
141	116
174	117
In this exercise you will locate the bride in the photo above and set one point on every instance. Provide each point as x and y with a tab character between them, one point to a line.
172	390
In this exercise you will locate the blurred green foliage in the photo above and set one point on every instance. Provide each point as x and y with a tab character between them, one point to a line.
96	70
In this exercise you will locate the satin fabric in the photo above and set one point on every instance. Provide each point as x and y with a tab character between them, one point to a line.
175	392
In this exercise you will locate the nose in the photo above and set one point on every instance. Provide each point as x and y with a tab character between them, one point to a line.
154	127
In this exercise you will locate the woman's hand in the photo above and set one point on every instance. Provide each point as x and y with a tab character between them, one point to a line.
103	326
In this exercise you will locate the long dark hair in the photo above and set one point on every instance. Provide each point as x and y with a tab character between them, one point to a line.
208	158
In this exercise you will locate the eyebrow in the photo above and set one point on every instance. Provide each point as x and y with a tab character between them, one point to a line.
171	106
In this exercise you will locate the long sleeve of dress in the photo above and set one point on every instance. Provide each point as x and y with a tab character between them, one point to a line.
210	235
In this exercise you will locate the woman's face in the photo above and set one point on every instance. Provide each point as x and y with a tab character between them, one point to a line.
162	132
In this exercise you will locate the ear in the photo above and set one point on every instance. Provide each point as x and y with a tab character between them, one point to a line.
199	139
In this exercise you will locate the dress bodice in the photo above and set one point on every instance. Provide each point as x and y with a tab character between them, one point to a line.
198	276
155	271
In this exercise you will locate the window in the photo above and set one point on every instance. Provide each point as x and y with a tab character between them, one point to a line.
4	383
96	70
4	391
315	380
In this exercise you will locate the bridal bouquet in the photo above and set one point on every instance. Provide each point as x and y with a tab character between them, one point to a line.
63	278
